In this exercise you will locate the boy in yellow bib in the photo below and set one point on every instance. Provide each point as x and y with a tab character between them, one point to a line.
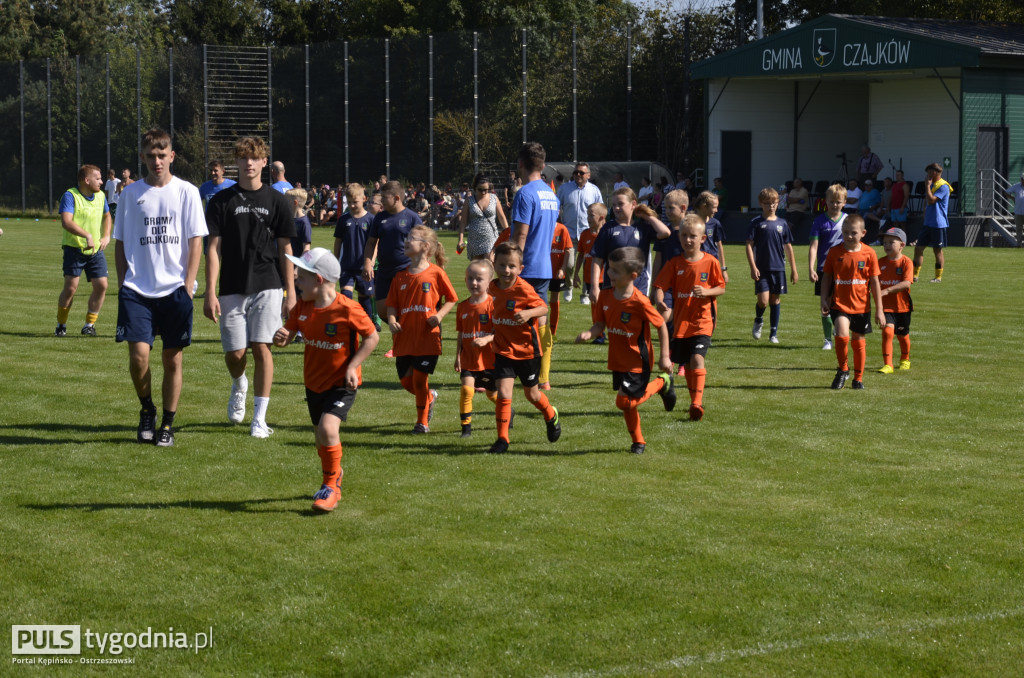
85	216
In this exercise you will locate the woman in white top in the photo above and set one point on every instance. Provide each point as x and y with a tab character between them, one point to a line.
480	219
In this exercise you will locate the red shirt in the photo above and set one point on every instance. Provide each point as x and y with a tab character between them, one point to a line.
583	247
628	323
512	340
332	336
893	273
415	297
692	316
850	273
472	321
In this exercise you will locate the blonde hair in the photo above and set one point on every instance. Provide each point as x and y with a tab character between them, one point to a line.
435	246
768	195
703	199
626	191
598	208
693	220
484	264
836	191
353	191
677	197
298	195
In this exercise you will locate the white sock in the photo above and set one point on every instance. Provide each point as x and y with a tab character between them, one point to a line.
260	408
241	384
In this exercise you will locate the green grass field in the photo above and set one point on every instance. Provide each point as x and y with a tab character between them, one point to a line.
795	531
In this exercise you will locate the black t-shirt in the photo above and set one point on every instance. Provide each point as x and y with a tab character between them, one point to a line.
249	224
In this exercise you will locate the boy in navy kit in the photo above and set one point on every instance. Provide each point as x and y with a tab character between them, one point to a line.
769	244
349	244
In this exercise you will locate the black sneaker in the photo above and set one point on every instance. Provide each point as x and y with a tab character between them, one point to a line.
499	447
89	331
840	380
554	428
637	448
165	437
467	430
668	393
61	331
857	385
147	427
420	428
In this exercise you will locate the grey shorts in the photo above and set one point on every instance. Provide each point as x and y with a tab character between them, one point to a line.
249	319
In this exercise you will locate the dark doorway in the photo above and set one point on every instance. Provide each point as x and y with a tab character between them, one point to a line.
736	150
993	154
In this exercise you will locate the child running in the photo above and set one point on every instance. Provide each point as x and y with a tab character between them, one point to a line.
517	306
627	232
474	357
628	317
414	318
849	280
695	279
331	325
896	274
768	240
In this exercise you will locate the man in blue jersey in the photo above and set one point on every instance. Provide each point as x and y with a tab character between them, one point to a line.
936	220
216	183
279	183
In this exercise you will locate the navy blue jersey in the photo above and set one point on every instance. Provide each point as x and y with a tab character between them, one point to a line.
613	236
391	231
352	232
769	238
670	246
716	234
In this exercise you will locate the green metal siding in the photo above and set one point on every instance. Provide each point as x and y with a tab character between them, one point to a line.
990	98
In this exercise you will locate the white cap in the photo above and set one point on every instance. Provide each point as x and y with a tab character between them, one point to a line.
320	261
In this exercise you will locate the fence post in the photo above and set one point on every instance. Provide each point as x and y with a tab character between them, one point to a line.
629	92
387	107
524	84
170	85
78	109
138	107
49	143
270	107
107	91
575	111
430	108
347	180
21	86
206	110
308	187
476	106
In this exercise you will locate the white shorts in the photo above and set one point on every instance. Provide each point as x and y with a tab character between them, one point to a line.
251	319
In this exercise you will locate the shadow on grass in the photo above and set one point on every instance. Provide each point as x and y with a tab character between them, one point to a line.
240	506
763	368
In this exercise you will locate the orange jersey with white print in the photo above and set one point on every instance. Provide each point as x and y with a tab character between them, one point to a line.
331	337
512	340
851	274
628	323
415	297
473	321
691	315
893	273
583	247
561	243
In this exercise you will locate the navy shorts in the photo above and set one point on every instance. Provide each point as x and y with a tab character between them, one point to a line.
929	236
141	318
382	284
817	284
556	285
900	322
773	282
75	261
684	348
540	286
355	279
633	384
423	363
860	323
527	371
337	401
481	379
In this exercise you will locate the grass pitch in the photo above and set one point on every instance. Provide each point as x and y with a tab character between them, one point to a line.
794	531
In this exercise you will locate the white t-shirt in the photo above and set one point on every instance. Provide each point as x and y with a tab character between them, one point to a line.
1017	191
111	188
154	226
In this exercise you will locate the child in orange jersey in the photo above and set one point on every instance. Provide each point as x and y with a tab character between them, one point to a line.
414	318
596	216
331	324
474	357
896	274
628	316
517	306
562	255
849	280
695	279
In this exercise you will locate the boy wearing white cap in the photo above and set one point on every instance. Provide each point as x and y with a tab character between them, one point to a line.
896	275
331	325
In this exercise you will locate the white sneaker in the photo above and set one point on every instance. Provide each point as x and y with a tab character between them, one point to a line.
756	331
259	429
773	339
568	294
827	346
236	403
585	300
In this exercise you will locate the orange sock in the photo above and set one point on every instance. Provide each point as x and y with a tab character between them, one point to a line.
407	383
466	404
860	357
422	391
696	384
330	462
632	415
843	353
543	405
553	315
502	413
904	340
887	334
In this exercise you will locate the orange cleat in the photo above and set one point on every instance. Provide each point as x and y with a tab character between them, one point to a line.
326	499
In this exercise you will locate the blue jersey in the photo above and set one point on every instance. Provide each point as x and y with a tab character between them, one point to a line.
828	233
391	231
303	235
770	236
210	189
67	202
352	233
613	236
716	234
670	246
935	214
536	206
282	186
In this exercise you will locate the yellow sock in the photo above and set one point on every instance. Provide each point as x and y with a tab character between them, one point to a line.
546	343
466	404
62	315
917	271
938	274
90	318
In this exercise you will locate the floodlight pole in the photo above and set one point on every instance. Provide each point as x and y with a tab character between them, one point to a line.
476	105
78	109
430	107
524	84
21	81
